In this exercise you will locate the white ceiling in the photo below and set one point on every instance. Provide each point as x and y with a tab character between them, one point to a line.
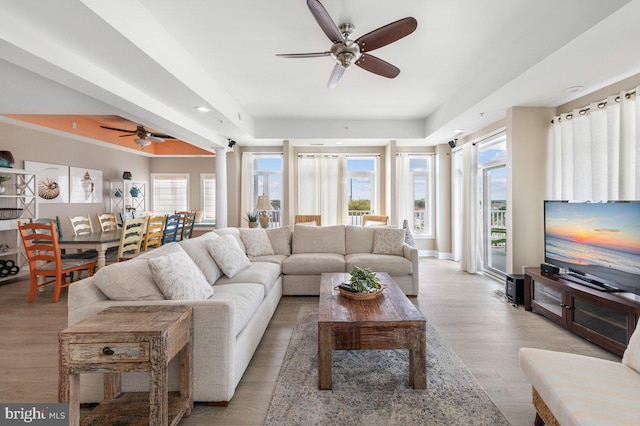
152	61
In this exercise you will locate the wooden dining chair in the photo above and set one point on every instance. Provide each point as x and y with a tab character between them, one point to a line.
107	222
379	220
81	225
170	232
188	221
40	242
155	229
132	236
306	218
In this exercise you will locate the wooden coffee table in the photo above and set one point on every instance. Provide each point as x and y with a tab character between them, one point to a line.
390	321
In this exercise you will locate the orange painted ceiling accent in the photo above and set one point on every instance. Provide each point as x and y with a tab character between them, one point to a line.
89	126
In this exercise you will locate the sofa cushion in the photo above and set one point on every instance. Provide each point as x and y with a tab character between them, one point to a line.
394	265
256	242
313	263
130	280
246	299
178	277
359	239
388	241
198	251
581	390
631	357
278	259
318	239
228	255
264	273
235	233
160	251
280	240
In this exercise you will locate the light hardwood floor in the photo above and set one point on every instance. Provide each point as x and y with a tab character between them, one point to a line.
484	330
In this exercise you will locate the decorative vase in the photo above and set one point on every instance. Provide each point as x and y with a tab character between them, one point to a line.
118	193
6	159
408	236
126	175
254	224
134	191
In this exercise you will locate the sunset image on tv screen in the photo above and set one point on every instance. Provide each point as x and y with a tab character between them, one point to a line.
603	234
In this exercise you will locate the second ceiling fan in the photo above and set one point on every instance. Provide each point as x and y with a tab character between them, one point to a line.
346	51
145	137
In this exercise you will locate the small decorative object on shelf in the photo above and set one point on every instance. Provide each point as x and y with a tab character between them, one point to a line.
134	191
3	179
6	159
118	193
363	285
3	248
252	218
126	175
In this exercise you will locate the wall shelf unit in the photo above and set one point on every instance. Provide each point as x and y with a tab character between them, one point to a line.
18	201
125	195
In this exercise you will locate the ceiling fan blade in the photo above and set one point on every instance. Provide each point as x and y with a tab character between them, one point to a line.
159	136
303	55
387	34
324	20
127	135
377	66
119	130
336	75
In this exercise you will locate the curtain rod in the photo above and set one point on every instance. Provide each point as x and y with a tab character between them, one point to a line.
601	105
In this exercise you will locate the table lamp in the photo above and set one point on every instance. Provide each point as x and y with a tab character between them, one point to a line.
264	205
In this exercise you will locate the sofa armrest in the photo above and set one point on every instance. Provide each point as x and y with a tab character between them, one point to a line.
411	253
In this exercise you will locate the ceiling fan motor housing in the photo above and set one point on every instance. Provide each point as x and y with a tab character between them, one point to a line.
346	53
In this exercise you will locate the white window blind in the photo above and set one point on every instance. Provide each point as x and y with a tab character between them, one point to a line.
209	196
170	192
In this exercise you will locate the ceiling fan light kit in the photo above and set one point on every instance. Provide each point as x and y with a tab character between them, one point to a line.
346	51
142	142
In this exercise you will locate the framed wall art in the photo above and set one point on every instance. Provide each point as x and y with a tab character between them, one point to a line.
85	185
52	181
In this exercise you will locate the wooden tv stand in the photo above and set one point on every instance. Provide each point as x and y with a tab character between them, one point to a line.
606	319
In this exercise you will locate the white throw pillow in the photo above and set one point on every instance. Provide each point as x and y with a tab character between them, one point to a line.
388	241
256	241
198	251
179	278
631	357
129	280
228	255
280	240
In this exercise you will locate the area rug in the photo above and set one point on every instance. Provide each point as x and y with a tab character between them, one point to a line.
372	387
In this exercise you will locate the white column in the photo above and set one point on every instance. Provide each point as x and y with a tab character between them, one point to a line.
221	188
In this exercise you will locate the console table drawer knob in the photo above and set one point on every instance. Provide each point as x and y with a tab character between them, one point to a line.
107	350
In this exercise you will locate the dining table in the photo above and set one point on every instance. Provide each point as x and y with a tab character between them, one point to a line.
99	241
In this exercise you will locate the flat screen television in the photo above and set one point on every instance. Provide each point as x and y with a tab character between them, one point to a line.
597	242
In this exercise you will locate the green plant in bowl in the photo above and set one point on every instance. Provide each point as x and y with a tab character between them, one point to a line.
364	280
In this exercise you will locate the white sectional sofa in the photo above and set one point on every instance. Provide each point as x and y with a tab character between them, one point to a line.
229	324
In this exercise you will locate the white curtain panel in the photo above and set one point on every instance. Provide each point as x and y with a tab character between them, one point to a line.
471	253
595	153
246	190
321	187
404	190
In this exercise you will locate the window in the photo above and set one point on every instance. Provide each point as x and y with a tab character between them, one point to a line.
341	188
208	185
170	192
265	172
361	187
415	192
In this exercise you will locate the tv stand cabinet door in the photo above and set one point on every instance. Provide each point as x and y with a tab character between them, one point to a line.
605	324
548	299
